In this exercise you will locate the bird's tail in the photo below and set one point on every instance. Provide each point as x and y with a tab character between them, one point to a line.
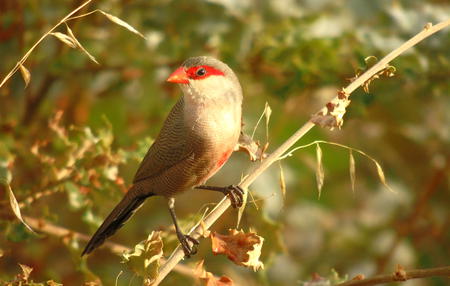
116	219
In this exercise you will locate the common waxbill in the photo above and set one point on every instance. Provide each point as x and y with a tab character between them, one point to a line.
197	138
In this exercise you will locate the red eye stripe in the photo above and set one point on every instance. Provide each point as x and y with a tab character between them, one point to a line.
196	73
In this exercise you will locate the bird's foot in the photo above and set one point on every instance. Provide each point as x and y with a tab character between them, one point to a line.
188	243
236	195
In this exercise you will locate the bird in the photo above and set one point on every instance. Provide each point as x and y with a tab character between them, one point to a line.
196	139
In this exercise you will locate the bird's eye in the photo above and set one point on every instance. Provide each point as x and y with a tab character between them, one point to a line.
200	72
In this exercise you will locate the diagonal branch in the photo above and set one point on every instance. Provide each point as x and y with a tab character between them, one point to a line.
225	203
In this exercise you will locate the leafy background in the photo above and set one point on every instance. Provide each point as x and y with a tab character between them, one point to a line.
292	54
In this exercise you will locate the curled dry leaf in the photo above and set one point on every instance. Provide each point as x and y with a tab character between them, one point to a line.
144	259
252	148
242	248
26	75
208	279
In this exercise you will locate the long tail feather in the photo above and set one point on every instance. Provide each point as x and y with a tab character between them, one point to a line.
115	220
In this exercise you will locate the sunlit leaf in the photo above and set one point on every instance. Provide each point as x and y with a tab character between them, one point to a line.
65	39
15	205
370	61
26	75
352	170
241	248
208	279
144	259
122	23
319	169
382	177
26	271
282	182
74	39
267	113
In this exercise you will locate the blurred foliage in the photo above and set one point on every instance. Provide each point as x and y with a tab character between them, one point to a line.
71	141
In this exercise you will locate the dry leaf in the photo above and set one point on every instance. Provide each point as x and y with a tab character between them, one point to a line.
252	148
382	177
53	283
282	182
208	279
26	75
352	170
319	170
241	248
74	39
267	113
15	206
144	259
65	39
122	23
26	270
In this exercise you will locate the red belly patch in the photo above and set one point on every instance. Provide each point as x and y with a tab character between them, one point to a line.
223	158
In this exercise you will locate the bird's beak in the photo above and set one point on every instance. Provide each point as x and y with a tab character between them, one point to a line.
179	76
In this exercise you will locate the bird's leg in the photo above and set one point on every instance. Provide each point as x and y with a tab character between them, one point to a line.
235	193
184	239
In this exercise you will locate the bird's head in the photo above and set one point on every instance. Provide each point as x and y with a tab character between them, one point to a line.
207	77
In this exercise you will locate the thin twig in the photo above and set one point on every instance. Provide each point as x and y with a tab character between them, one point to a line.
399	276
223	205
58	231
25	57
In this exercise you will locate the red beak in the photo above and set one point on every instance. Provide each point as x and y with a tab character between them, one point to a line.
179	76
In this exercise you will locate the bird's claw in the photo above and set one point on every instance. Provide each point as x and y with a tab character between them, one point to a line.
236	195
189	244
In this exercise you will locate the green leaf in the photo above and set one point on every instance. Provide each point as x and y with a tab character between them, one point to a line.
76	198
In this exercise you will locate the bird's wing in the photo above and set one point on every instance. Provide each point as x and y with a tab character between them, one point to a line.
169	148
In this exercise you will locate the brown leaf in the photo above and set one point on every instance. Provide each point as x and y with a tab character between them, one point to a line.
26	75
208	279
242	248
